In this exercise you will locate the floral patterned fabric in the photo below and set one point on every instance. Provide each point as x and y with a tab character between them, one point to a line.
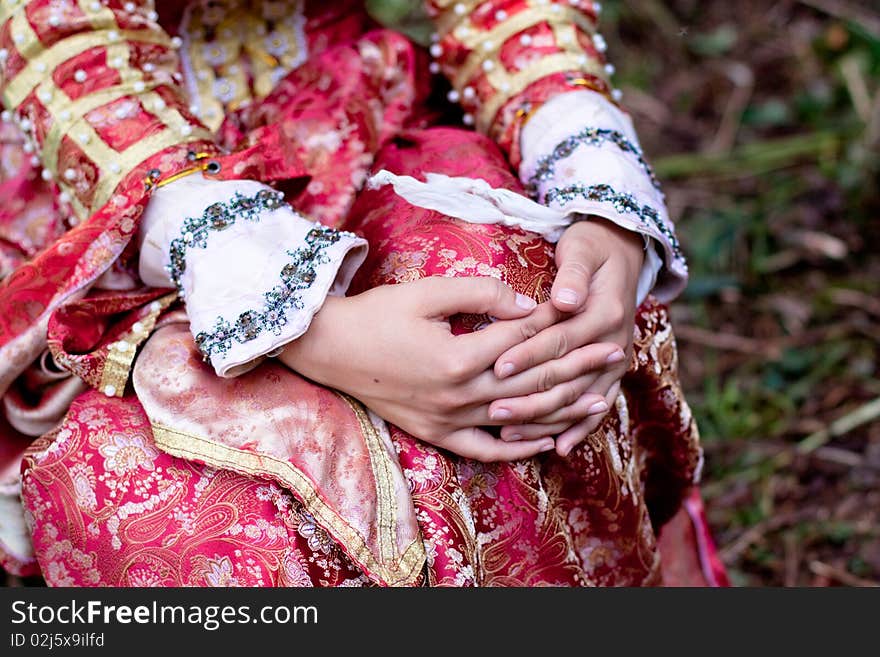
110	501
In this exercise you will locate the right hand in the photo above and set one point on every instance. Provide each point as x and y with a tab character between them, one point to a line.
392	348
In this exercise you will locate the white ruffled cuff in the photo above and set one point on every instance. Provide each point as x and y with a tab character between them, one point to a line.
581	156
251	270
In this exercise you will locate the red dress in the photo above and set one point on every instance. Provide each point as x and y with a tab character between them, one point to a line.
182	478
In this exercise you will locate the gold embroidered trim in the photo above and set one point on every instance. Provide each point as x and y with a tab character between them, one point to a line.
117	366
516	83
217	69
448	19
476	40
402	572
40	64
387	511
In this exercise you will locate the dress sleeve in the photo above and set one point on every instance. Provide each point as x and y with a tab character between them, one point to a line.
533	75
252	271
96	89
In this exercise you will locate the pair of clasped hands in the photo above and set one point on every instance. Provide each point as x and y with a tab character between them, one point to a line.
546	374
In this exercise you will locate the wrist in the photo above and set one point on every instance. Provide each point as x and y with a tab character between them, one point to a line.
312	353
615	239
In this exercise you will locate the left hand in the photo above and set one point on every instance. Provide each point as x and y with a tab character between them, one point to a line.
599	265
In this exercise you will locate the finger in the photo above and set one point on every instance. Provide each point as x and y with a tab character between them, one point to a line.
589	360
570	439
604	384
577	261
443	297
585	406
476	444
483	347
558	340
533	431
549	404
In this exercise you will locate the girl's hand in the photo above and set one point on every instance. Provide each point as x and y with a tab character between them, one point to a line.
596	287
392	348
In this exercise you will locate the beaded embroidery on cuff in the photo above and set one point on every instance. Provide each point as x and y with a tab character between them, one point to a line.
621	201
297	275
588	136
217	217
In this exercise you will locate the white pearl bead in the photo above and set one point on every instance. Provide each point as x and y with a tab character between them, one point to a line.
122	346
35	161
46	175
488	45
64	115
18	38
64	197
25	124
526	40
176	42
434	67
80	75
73	221
488	65
27	147
617	94
54	20
129	7
6	116
70	174
436	50
599	42
4	54
500	15
468	119
453	96
149	67
468	93
139	87
610	69
186	130
95	6
137	327
115	167
159	105
40	67
153	16
113	35
460	9
110	391
155	307
597	7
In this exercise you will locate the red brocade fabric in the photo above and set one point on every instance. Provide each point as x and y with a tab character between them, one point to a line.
109	507
110	501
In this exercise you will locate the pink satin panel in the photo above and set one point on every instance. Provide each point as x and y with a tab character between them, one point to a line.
302	436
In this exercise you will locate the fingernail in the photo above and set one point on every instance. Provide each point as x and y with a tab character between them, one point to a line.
598	407
524	302
616	357
547	448
567	296
515	436
507	370
501	414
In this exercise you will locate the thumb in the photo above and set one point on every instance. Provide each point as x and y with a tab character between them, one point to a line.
577	260
444	297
